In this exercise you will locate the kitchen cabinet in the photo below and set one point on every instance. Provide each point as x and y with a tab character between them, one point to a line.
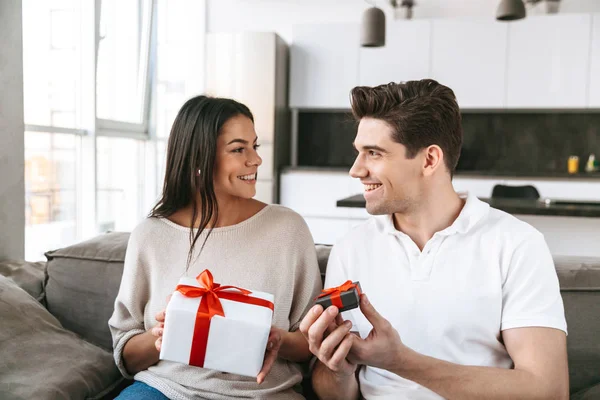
541	62
313	194
562	189
405	56
594	71
469	56
323	65
480	187
327	230
549	61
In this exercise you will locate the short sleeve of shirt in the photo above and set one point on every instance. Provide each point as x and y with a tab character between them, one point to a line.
531	293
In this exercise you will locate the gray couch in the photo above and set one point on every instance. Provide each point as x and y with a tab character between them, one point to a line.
55	342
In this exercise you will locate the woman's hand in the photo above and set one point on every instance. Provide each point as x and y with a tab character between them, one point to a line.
159	328
143	350
273	346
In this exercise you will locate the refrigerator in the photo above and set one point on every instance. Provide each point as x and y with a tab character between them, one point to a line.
252	68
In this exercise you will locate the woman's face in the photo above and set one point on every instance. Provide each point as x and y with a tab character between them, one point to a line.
237	160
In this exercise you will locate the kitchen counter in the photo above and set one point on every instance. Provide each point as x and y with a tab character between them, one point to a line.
471	174
566	208
550	175
314	168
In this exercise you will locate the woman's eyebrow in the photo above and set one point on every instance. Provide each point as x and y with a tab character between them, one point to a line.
242	141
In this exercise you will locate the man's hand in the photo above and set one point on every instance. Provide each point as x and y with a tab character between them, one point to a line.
383	348
329	338
273	346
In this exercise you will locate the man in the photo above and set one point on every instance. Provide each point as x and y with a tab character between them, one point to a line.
463	299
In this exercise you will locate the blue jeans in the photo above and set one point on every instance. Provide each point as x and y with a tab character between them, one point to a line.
141	391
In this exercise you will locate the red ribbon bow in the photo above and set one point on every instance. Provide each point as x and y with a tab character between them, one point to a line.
336	292
210	305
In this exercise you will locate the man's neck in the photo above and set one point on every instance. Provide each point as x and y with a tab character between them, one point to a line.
435	213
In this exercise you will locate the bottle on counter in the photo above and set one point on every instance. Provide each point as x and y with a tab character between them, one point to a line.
573	165
590	166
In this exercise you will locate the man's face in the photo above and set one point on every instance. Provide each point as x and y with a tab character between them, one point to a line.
392	182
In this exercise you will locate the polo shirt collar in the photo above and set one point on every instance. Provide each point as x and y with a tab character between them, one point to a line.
472	212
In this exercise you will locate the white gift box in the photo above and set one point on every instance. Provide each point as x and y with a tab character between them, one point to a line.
236	343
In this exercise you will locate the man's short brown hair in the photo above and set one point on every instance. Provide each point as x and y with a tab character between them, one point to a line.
421	113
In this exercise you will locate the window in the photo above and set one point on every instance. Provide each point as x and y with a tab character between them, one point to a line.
92	163
120	183
123	59
161	154
179	70
122	124
52	63
50	191
52	75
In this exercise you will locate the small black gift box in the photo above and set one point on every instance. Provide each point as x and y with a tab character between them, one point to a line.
345	297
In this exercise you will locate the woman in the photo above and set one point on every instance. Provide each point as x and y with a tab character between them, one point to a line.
207	219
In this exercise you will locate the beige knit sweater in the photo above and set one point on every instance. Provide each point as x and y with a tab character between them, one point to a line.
272	252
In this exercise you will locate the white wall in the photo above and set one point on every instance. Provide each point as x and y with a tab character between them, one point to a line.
280	15
12	198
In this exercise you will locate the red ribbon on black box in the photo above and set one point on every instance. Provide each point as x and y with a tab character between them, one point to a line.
345	297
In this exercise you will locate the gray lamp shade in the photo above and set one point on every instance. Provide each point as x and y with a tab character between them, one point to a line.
510	10
373	28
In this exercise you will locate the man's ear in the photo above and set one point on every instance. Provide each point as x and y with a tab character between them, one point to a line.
433	160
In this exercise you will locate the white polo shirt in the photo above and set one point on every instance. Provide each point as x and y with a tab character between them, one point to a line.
486	272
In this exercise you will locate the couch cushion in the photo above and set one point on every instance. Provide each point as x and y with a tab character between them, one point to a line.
583	346
580	288
592	393
82	284
578	273
41	360
28	275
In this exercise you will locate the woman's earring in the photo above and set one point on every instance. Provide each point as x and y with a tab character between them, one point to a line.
199	172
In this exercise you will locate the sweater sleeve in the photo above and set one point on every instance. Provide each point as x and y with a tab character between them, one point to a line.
307	277
127	319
